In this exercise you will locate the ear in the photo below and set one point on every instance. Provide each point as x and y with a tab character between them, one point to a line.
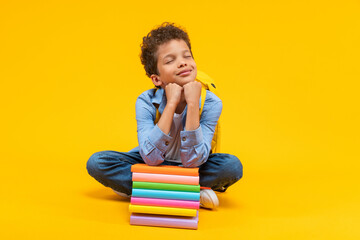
156	80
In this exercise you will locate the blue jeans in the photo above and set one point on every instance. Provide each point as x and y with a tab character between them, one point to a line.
113	169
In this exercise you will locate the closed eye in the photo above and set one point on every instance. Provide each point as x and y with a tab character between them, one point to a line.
173	60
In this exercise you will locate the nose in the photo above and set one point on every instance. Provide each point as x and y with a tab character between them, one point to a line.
182	63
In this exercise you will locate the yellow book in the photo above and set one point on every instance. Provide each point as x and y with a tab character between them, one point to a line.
163	210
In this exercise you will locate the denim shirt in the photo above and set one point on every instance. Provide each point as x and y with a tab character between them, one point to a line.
195	144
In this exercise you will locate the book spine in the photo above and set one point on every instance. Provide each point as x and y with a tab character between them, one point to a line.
164	221
150	193
162	169
165	202
167	186
163	210
165	178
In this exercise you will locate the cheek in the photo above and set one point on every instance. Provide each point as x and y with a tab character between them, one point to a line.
168	71
192	62
163	70
171	68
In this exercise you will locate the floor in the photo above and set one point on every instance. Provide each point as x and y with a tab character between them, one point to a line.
59	202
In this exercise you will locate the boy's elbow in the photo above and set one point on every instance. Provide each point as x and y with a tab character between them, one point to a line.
150	158
152	163
195	158
196	162
192	164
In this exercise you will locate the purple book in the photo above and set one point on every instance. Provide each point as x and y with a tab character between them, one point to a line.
164	221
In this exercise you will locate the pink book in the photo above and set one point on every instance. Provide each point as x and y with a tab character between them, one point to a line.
165	178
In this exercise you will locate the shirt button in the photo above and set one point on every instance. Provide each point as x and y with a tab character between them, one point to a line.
166	143
184	138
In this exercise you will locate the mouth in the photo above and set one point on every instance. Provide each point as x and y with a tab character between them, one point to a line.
184	72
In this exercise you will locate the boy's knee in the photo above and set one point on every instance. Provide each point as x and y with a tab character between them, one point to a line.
234	166
92	163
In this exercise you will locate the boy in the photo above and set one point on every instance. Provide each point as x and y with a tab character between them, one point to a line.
181	137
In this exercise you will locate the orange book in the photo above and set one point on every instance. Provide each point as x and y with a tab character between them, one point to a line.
163	169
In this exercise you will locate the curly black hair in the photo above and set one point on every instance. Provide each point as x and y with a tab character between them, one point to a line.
160	35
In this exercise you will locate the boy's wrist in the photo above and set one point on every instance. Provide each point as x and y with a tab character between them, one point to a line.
171	105
193	104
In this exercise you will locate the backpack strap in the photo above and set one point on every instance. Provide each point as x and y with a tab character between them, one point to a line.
203	97
157	117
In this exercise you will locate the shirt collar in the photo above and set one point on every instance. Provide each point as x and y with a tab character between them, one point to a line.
157	96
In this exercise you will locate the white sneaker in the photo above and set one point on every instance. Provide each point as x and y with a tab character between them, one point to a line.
208	199
121	194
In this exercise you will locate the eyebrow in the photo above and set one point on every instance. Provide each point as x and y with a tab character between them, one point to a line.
170	54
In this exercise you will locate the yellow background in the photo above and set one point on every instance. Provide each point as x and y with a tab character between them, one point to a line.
288	75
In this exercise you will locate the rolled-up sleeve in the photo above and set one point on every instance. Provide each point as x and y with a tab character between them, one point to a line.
153	142
196	144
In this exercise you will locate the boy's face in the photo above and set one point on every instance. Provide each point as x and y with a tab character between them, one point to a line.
175	64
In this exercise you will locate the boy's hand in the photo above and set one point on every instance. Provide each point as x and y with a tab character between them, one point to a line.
173	93
192	92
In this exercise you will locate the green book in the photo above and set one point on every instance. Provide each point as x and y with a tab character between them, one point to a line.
167	186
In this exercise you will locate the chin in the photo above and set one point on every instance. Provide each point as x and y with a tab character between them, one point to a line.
187	81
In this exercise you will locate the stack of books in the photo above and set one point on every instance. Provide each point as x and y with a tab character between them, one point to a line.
165	196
